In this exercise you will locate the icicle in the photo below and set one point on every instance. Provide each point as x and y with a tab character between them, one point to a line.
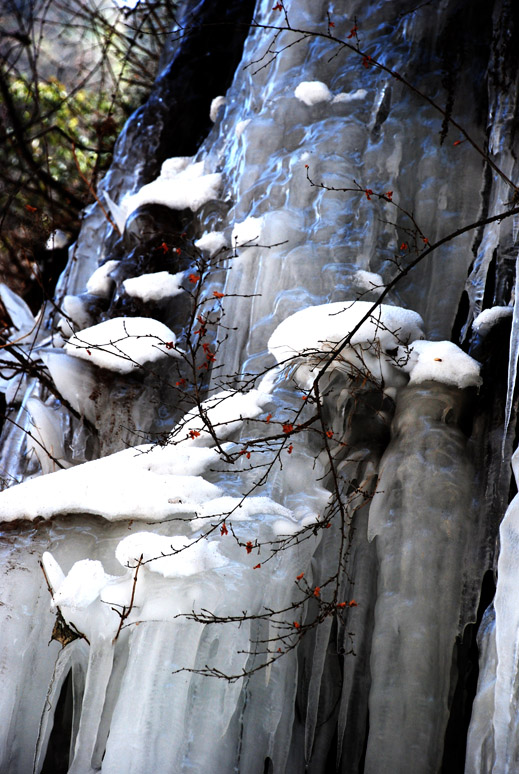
153	697
20	314
98	674
506	698
322	637
48	430
480	742
514	342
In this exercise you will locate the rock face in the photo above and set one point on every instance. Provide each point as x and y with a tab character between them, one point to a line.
265	583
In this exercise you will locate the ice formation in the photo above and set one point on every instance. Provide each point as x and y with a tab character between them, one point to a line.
330	545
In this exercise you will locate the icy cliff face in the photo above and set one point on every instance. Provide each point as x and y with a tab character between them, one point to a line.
241	465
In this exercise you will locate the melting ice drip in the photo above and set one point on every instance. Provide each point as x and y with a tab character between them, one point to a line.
147	548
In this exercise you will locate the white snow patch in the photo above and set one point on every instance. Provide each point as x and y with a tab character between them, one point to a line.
212	242
57	240
241	126
225	411
216	104
313	92
378	349
158	552
442	361
82	585
349	96
248	232
488	317
154	287
146	483
368	281
100	283
182	184
123	343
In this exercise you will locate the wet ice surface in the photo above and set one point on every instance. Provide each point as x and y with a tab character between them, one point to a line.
417	545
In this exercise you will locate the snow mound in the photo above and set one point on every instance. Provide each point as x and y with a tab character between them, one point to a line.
82	585
172	557
100	283
225	411
212	242
182	184
313	92
489	317
154	287
146	483
442	361
378	349
123	343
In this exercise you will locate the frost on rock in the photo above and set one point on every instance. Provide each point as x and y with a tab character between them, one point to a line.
123	343
182	184
154	287
379	348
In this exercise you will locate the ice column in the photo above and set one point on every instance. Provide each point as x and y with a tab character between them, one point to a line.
421	519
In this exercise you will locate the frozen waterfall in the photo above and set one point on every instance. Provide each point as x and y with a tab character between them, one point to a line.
254	505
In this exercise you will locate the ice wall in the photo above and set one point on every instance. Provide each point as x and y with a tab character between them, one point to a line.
389	505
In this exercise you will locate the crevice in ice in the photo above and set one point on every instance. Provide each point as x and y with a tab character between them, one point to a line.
57	755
